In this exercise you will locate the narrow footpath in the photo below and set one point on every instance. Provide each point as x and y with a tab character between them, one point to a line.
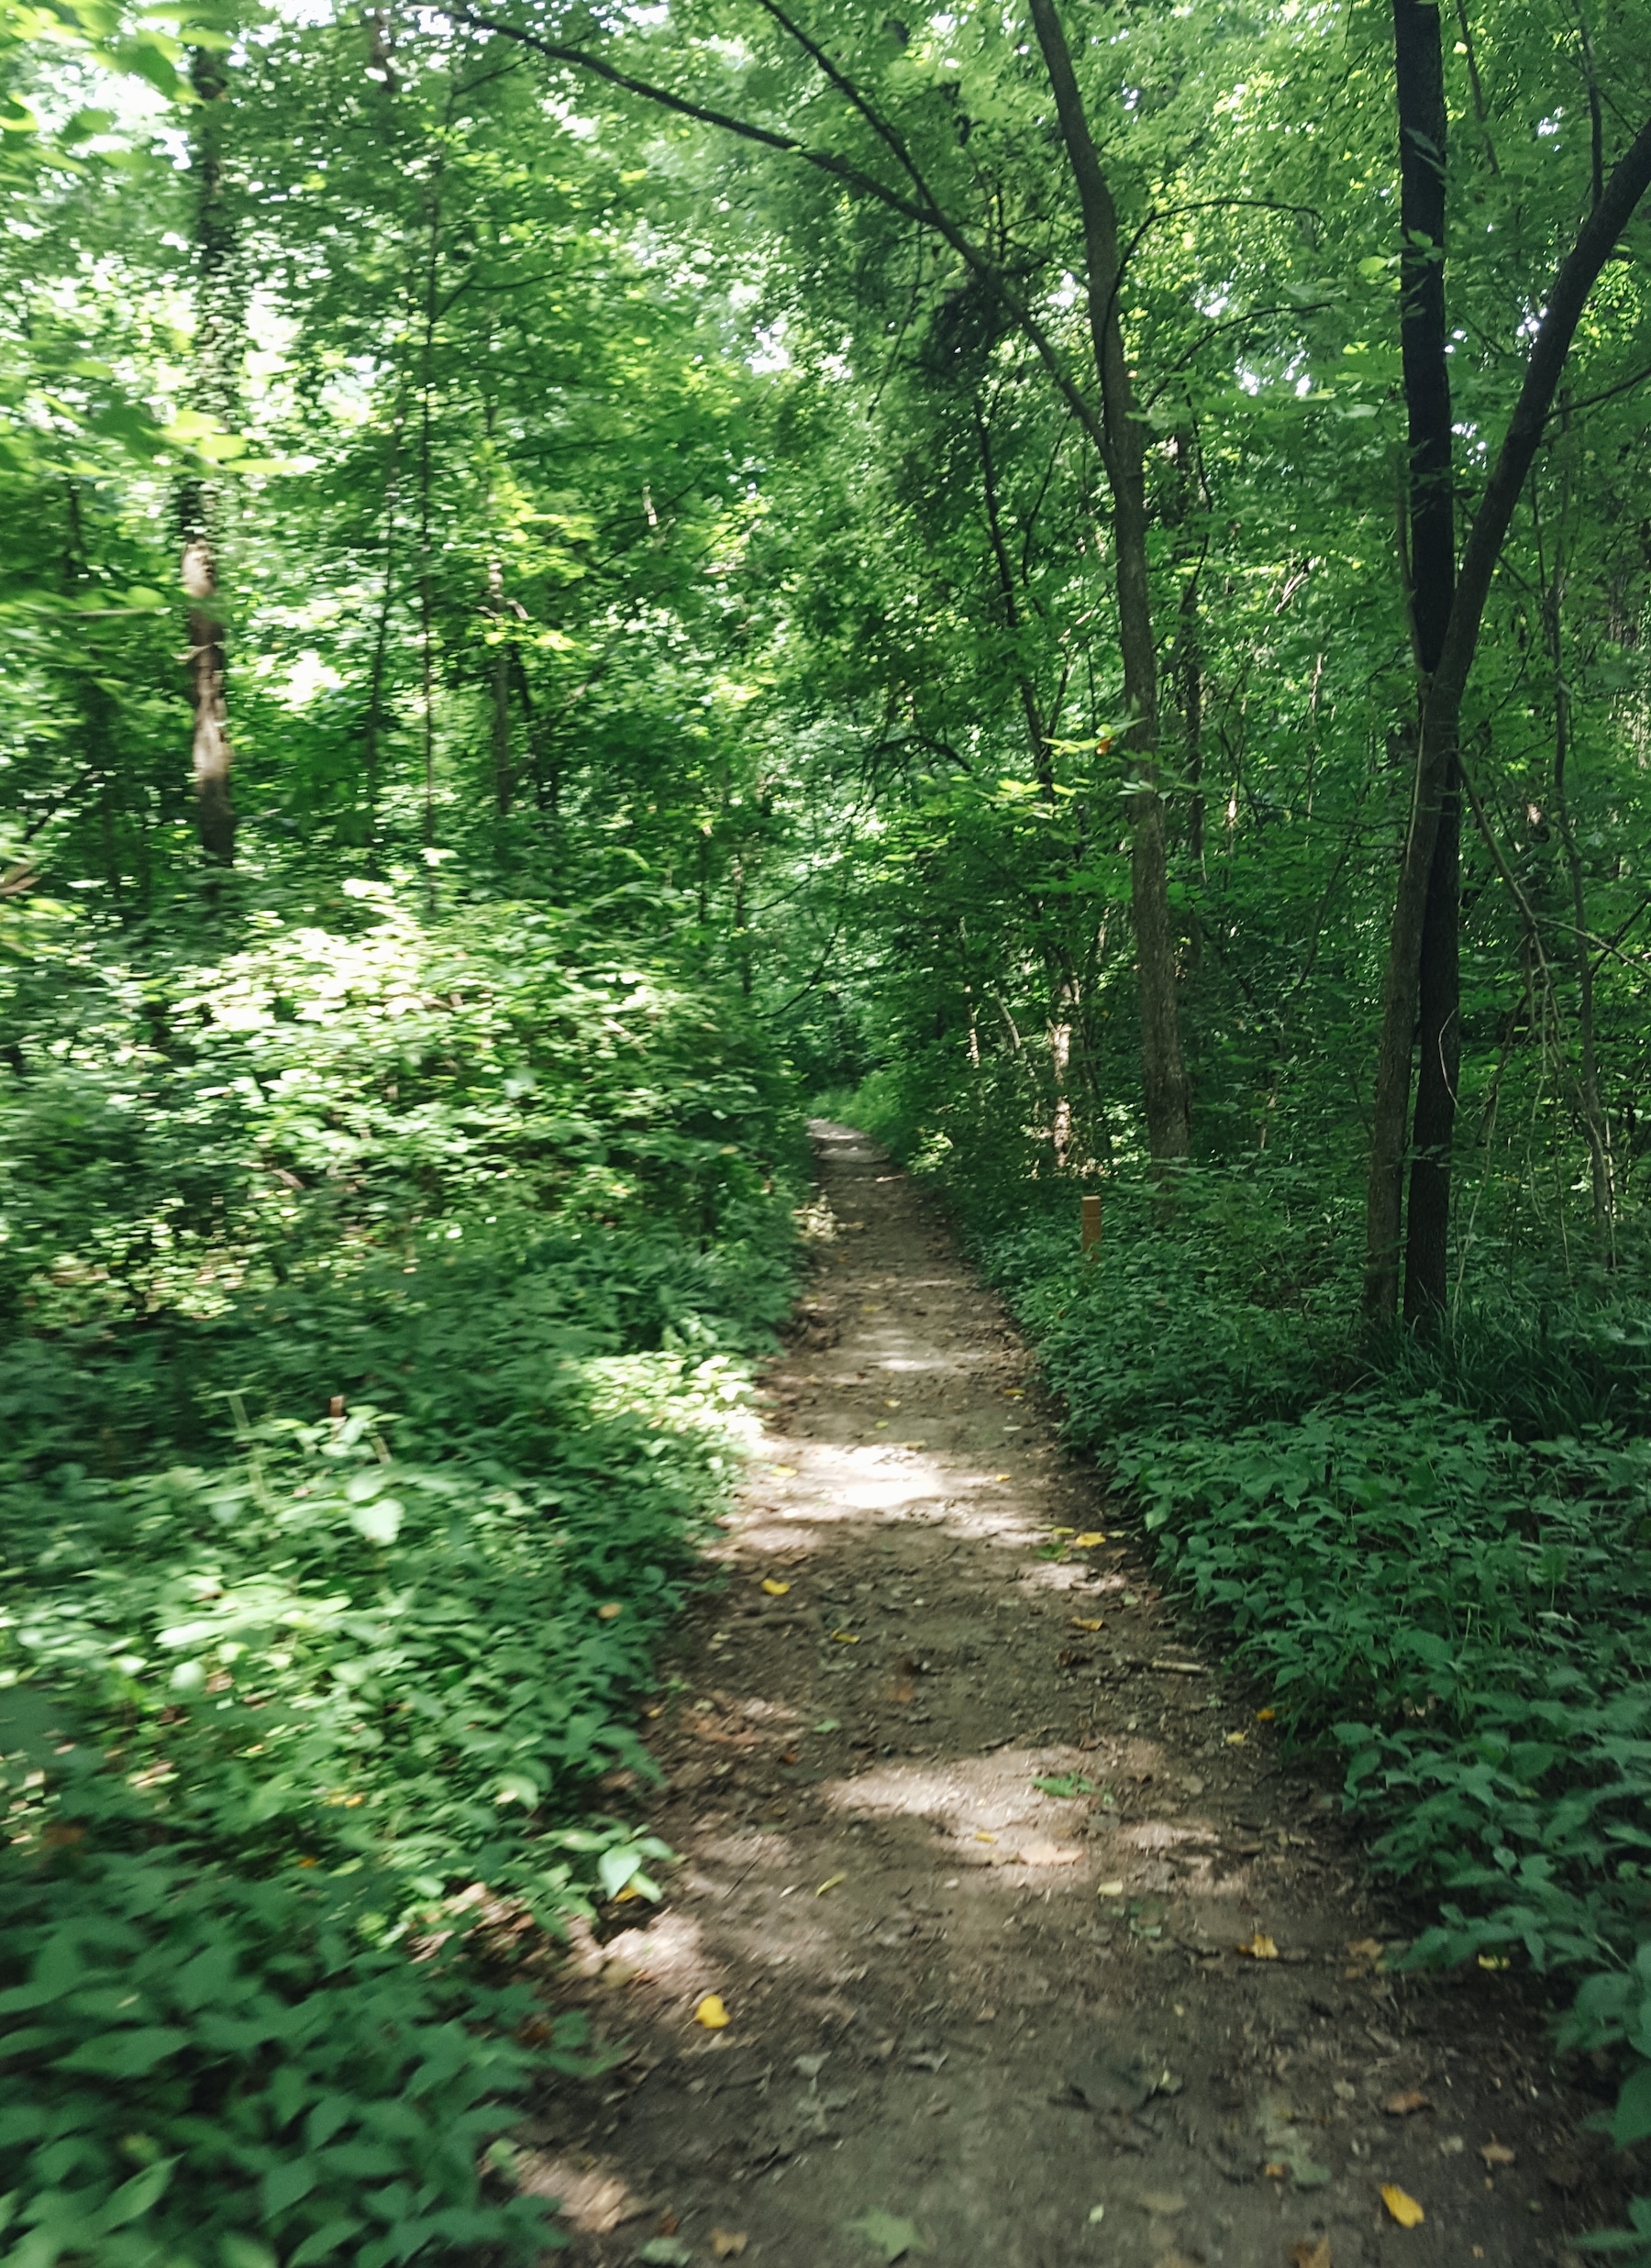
1031	1949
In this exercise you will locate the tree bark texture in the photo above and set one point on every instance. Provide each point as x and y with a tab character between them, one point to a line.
1441	715
216	327
1164	1078
1419	77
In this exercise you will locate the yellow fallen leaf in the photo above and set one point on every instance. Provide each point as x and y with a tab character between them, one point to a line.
1088	1539
1056	1534
774	1590
711	2014
1260	1948
1494	1961
845	1638
1109	1889
1402	2205
1275	2169
611	1612
1080	1622
830	1882
1237	1740
1000	1475
728	2243
1265	1717
783	1472
981	1836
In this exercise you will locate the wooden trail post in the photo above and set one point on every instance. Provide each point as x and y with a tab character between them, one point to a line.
1090	1208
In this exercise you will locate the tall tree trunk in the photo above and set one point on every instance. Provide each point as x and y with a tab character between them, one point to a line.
215	329
1419	75
1441	716
1164	1076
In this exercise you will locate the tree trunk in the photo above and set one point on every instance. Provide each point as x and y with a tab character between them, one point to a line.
1419	75
1441	716
1164	1076
216	327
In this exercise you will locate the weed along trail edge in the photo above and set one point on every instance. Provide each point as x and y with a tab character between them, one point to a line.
1002	1933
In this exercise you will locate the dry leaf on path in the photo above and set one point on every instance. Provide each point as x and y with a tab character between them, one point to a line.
1083	1621
830	1882
1400	2105
774	1590
1088	1539
1402	2205
1260	1948
711	2014
1496	2154
1109	1889
728	2243
1309	2254
1037	1853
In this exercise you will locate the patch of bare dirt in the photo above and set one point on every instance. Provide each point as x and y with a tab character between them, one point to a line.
1032	1952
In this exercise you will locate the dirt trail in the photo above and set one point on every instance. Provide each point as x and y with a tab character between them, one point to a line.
1001	2024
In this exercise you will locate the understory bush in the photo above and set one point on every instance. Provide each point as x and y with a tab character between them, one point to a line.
379	1297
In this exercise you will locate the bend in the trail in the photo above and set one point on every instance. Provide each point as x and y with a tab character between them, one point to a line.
972	1839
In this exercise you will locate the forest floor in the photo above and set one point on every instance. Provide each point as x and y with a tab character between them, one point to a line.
1034	1948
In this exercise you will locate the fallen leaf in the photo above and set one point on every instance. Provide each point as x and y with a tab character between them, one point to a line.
1275	2169
1402	2205
1237	1740
665	2253
1088	1539
783	1472
1000	1475
1081	1621
788	1755
1307	2254
1400	2105
892	2237
830	1882
845	1638
1265	1717
1494	1961
774	1590
827	1725
728	2243
611	1612
1109	1889
1056	1534
711	2014
1366	1949
1096	2213
982	1836
987	2016
1041	1854
1496	2154
1260	1948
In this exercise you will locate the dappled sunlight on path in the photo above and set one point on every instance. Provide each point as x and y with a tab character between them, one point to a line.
1030	1951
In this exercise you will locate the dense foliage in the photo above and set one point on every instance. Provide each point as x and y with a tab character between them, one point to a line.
577	575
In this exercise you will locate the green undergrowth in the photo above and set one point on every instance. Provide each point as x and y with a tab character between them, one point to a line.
1437	1565
381	1296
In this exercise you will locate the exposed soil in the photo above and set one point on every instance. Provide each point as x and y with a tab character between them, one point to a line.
991	2021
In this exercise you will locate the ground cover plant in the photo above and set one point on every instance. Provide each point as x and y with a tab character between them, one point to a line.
377	1367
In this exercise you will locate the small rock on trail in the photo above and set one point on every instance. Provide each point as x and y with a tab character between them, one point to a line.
1032	1953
